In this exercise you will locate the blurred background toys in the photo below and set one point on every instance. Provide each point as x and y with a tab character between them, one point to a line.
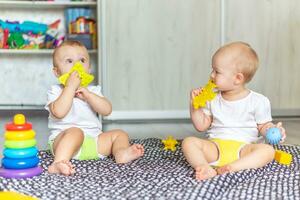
81	26
29	35
20	154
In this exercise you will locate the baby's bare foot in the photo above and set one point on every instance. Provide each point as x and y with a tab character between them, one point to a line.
131	153
61	167
224	169
204	172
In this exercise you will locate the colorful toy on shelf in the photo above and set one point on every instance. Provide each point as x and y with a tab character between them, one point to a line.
283	157
170	143
207	94
25	27
273	135
30	35
16	40
81	25
20	154
86	78
3	38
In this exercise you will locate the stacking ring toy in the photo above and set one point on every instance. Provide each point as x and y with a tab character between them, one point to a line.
20	153
19	124
14	127
19	144
20	173
19	135
10	163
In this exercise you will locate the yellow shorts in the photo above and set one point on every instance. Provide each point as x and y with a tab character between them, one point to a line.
87	151
229	151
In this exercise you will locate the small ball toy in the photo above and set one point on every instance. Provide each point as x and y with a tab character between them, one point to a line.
273	135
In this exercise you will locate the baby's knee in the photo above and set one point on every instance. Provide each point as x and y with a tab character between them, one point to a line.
120	132
270	151
75	131
187	142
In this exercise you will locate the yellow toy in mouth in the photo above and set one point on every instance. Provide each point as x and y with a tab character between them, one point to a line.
207	94
85	78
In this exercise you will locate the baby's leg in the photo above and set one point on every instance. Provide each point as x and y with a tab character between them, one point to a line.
116	142
65	147
199	153
252	156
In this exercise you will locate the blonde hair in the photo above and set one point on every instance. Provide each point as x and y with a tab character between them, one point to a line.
65	43
244	57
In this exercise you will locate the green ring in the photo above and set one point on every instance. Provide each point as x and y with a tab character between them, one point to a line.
13	144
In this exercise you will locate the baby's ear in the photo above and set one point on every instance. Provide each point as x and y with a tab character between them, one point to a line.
55	71
240	78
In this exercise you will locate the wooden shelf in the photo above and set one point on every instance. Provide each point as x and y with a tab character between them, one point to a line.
35	51
46	4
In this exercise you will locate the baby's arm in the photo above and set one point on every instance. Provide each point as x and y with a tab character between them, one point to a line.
200	120
62	105
99	104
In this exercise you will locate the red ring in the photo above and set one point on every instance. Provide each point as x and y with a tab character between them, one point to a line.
21	127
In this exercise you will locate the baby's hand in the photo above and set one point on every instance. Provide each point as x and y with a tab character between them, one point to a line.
195	92
282	131
82	93
73	81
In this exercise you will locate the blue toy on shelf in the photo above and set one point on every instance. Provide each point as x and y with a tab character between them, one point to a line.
273	135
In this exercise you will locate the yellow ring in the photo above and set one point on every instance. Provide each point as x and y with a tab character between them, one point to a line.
19	135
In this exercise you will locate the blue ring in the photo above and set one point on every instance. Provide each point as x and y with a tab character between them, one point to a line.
20	153
10	163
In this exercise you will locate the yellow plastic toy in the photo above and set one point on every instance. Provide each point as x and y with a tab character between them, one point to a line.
207	94
283	157
86	78
170	143
9	195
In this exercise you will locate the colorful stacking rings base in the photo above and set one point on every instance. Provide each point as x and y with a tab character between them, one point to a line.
11	163
19	135
20	153
19	144
20	173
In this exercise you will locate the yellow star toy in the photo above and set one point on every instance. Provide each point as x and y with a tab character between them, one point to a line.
207	94
86	78
170	143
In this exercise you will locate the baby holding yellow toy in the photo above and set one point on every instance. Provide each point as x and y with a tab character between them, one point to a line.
233	119
76	131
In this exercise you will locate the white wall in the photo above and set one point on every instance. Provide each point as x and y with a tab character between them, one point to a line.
158	50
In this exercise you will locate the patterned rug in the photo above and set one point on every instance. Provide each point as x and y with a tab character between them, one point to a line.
159	175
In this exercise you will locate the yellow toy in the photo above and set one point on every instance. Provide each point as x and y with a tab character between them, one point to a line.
207	94
283	157
9	195
86	78
170	143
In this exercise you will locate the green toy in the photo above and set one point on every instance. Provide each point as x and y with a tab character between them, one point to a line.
16	40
